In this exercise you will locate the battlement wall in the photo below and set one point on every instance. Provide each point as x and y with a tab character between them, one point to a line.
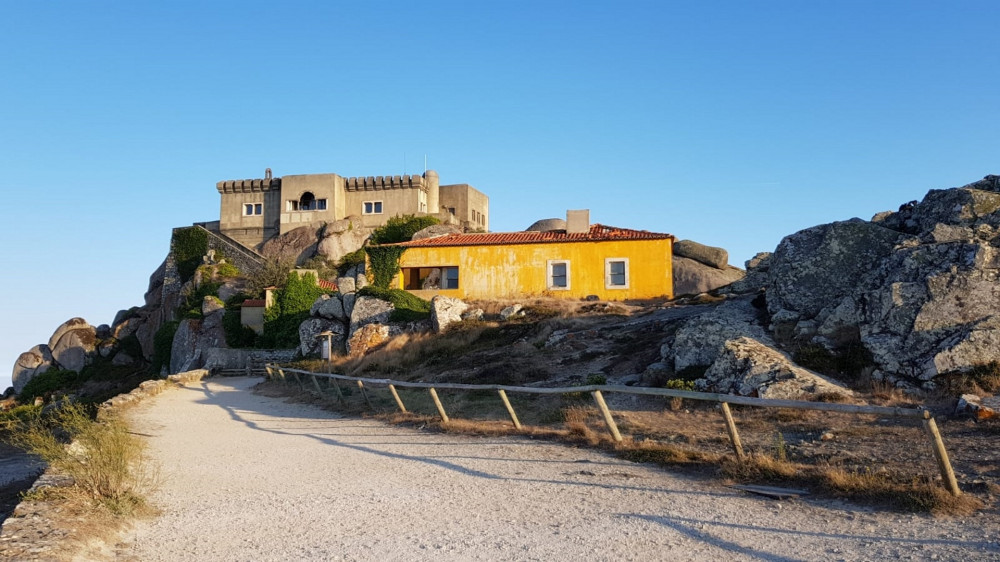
248	186
372	183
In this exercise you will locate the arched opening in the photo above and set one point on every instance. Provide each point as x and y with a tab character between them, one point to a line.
307	202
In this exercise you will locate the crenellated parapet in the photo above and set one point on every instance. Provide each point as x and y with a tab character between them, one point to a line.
249	186
373	183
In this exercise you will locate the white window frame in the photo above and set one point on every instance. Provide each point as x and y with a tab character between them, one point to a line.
548	275
607	273
253	209
374	204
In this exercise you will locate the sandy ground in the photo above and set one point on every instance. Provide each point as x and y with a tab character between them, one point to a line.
247	477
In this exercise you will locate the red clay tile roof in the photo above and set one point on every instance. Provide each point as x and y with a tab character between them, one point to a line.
254	302
598	233
326	285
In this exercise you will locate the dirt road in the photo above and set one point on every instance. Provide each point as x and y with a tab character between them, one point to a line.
249	477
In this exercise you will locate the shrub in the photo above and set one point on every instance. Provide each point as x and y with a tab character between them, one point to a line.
107	462
596	379
408	307
237	335
291	308
273	274
679	384
227	270
163	341
189	247
130	346
19	416
191	307
324	269
350	260
47	383
401	228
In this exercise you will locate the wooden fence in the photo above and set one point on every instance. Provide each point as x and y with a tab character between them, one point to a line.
930	426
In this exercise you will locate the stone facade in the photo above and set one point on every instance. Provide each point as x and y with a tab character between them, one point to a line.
256	210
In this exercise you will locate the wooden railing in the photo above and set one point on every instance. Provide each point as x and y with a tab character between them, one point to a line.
930	426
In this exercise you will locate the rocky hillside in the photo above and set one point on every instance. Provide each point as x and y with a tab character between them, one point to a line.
908	298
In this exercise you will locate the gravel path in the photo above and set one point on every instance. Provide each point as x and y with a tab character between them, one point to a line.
249	477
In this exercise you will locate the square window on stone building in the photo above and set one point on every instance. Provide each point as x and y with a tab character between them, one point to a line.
373	208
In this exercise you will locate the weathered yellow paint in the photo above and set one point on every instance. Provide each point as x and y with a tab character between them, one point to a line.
521	270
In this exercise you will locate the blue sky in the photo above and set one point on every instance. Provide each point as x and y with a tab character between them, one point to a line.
730	123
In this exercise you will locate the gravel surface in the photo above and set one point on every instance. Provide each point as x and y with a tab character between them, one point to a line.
247	477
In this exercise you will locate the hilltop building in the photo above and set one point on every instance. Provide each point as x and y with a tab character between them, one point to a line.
256	210
581	260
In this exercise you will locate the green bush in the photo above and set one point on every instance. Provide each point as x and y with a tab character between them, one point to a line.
324	269
408	307
679	384
596	379
291	307
227	270
401	229
130	346
191	307
189	247
350	260
237	335
48	382
163	341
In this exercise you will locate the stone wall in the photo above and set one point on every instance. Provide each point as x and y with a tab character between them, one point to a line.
217	359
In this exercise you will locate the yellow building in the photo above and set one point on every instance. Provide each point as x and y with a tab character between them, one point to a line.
610	263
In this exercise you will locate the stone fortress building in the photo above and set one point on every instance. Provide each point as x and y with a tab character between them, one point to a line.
256	210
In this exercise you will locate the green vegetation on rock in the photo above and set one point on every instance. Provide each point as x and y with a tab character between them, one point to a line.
189	247
401	229
408	307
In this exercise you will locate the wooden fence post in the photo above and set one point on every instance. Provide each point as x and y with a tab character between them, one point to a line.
283	379
510	409
364	393
336	386
610	421
944	464
298	380
316	384
399	402
270	375
440	407
734	436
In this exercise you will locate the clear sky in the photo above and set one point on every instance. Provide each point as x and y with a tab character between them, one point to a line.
729	123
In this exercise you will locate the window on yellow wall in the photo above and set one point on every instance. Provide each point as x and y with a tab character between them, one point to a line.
449	278
558	275
616	274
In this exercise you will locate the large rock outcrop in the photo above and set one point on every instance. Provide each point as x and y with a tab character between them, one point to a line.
698	268
750	368
73	344
33	362
917	287
193	339
342	237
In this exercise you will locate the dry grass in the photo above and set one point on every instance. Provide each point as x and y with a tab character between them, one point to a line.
784	447
106	462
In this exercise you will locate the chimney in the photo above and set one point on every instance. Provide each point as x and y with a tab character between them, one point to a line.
578	222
